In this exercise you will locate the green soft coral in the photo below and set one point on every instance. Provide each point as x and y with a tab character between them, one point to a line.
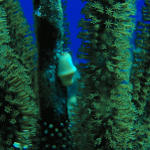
106	111
18	101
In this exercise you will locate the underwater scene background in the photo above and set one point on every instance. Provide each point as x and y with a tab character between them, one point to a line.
74	75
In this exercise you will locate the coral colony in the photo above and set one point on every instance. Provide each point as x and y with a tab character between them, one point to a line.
49	103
